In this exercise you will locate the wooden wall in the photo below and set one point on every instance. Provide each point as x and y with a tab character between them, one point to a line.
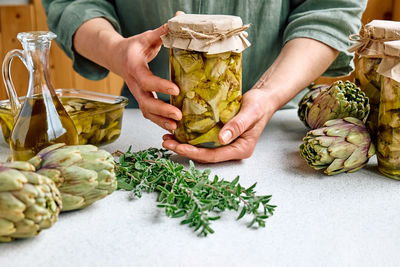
15	19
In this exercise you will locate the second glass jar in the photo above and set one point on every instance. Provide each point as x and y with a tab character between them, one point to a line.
388	148
369	81
210	93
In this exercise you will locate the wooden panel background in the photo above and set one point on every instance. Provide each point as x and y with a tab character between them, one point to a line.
15	19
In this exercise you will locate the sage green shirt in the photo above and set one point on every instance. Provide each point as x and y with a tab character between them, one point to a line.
273	23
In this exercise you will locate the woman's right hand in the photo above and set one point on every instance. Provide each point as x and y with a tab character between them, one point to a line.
131	58
98	41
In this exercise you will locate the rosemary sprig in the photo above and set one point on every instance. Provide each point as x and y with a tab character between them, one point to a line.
188	192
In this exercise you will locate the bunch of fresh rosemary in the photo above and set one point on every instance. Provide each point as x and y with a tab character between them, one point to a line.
188	193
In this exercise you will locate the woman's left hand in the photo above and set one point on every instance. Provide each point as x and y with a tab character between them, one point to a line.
244	129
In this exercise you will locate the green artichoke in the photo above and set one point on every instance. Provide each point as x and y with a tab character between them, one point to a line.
342	145
83	173
308	99
342	99
29	202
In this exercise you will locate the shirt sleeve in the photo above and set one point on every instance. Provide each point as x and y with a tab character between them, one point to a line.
65	17
330	22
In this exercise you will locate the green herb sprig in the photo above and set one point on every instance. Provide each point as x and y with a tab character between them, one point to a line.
188	192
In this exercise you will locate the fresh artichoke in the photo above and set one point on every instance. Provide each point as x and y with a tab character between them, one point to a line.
342	99
342	145
83	173
307	101
29	202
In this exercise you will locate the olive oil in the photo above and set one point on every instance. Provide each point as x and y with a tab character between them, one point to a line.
97	122
42	121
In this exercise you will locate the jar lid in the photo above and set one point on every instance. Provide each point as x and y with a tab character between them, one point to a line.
373	35
206	33
390	64
392	49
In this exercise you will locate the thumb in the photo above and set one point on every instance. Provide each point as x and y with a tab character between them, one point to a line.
154	35
235	127
179	13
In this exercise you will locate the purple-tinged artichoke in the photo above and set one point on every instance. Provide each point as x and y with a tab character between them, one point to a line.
308	99
342	145
342	99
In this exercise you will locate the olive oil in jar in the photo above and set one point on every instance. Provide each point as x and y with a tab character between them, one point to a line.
42	121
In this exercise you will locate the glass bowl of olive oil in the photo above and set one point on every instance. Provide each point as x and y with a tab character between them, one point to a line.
97	116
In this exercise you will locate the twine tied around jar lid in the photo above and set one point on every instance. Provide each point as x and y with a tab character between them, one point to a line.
213	37
206	33
373	35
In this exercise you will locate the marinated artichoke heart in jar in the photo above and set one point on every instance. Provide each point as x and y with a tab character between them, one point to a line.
96	122
388	151
210	93
369	80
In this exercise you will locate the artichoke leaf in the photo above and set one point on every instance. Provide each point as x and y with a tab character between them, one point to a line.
224	55
228	113
72	202
25	228
11	208
215	68
6	227
214	95
193	106
11	180
189	61
190	81
208	139
201	126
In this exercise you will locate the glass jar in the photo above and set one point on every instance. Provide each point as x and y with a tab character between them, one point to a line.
210	93
369	81
42	119
388	138
205	62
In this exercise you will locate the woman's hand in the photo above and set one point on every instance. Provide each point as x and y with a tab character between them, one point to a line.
132	56
97	40
246	127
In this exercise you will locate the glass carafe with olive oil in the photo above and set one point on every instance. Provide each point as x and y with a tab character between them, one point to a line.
42	119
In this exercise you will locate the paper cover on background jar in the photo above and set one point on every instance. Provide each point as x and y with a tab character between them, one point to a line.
373	35
390	65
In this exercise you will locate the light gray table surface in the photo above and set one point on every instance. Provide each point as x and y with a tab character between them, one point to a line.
343	220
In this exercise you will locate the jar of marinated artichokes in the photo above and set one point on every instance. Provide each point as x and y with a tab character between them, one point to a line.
206	64
388	137
370	49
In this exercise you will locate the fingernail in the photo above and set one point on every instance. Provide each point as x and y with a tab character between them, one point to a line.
226	136
169	126
173	116
170	146
172	91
